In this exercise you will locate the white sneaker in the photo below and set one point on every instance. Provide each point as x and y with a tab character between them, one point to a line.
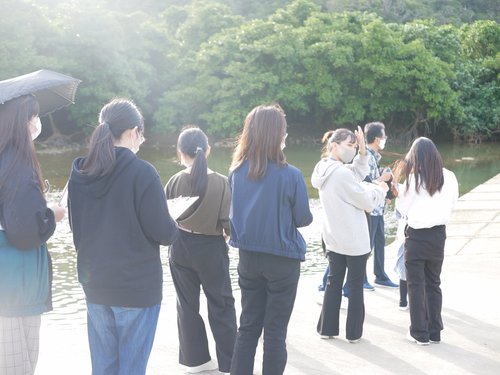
412	339
207	366
354	341
326	337
404	308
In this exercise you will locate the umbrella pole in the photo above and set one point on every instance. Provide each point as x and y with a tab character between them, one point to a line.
53	129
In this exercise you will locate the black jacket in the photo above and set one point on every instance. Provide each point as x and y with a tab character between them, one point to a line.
119	222
24	215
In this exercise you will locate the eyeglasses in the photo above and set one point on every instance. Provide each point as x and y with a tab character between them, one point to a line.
140	135
48	187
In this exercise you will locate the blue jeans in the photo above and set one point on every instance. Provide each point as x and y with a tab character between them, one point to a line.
268	287
120	338
324	281
322	286
377	242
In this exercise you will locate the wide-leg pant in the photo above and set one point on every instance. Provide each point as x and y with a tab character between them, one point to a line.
200	260
424	254
268	288
328	324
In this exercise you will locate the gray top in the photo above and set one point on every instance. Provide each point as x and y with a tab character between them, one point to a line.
211	215
345	198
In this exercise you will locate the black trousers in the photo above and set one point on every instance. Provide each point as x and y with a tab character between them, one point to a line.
328	323
268	288
195	260
424	254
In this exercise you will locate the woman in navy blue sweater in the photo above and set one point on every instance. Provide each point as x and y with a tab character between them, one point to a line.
269	202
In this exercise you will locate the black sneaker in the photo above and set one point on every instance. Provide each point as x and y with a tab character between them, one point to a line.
413	339
435	338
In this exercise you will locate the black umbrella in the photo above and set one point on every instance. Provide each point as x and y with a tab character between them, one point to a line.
52	90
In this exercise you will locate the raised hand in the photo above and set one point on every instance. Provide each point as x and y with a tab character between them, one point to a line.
360	136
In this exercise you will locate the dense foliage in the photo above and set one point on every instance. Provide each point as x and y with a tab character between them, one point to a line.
210	62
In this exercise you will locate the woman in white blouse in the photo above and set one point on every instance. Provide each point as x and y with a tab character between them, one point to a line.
426	200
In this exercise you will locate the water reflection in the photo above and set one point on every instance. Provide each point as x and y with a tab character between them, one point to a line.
472	164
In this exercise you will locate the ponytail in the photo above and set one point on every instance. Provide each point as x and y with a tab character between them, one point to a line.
194	143
325	151
199	177
115	117
101	158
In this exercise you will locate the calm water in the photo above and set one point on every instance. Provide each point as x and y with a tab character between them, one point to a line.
473	164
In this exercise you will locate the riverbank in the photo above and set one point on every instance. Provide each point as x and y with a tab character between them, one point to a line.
470	341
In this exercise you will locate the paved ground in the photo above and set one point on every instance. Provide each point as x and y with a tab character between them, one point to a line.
471	313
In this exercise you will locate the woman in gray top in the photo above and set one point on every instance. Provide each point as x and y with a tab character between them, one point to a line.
345	199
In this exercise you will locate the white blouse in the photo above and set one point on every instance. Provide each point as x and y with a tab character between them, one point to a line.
423	211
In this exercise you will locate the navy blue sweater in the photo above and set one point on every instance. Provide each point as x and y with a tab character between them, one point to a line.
119	222
266	213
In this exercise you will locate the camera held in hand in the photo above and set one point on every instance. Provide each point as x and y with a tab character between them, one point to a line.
393	191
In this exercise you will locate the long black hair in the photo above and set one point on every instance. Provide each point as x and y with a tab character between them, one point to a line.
426	164
115	117
193	142
16	147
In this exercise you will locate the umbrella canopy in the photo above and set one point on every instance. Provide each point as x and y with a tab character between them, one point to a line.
52	90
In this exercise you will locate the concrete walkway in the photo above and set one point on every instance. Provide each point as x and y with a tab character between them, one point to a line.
471	314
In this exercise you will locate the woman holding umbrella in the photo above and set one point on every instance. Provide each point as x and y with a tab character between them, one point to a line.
26	223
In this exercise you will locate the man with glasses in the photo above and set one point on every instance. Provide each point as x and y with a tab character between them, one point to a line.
375	141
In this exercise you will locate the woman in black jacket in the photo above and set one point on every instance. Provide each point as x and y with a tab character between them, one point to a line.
26	223
119	217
